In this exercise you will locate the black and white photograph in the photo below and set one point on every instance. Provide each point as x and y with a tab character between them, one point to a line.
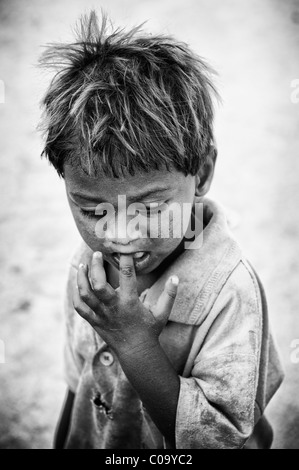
149	228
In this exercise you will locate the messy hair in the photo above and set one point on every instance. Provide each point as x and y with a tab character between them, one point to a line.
126	101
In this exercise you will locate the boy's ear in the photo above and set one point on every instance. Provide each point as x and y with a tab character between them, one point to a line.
205	175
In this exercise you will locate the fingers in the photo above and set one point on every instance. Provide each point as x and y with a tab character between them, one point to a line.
102	289
166	300
127	278
84	288
81	307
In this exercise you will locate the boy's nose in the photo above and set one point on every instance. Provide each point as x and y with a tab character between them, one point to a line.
121	232
122	239
120	228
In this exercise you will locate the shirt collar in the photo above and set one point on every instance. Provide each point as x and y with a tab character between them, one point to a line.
202	271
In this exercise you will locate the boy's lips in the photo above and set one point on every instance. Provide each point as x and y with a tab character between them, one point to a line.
136	255
141	258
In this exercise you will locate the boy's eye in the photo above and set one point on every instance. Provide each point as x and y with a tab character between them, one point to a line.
150	210
153	208
91	214
87	214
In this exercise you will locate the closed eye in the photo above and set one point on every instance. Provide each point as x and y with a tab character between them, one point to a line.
150	210
91	214
154	207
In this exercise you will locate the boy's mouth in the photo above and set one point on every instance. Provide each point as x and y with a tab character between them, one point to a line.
140	258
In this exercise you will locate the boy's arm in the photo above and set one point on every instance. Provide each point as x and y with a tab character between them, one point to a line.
156	382
132	330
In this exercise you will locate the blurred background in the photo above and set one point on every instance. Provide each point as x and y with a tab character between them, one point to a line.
254	46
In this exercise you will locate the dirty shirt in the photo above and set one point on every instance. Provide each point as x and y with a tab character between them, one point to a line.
217	338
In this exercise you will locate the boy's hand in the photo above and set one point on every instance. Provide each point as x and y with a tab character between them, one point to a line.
118	316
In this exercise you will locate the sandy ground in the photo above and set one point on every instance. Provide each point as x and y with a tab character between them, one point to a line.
255	47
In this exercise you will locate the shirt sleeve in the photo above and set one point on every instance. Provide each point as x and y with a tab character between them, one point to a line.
216	406
72	362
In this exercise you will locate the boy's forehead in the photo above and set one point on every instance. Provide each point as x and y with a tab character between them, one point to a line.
138	185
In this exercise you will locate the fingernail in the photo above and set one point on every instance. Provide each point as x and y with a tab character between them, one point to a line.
174	280
97	254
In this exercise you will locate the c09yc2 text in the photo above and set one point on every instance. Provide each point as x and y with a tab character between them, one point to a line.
154	459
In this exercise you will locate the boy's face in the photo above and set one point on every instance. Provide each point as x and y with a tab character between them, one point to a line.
86	193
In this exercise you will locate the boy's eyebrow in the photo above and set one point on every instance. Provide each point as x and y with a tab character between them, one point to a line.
137	197
150	192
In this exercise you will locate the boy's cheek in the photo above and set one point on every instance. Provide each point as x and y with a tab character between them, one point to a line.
87	232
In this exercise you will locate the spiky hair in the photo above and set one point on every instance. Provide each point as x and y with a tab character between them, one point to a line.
126	101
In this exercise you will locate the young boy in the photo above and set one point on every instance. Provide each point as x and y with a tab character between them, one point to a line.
168	343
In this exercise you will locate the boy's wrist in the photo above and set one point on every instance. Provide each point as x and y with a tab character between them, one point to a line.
138	346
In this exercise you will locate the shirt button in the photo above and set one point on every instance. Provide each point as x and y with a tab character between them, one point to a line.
106	358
